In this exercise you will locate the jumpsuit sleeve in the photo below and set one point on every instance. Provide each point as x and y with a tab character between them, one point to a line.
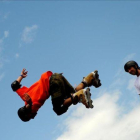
16	86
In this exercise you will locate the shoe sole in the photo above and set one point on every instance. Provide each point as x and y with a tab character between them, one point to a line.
97	80
88	97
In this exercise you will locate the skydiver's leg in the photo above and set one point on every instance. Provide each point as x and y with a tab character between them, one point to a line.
60	99
63	94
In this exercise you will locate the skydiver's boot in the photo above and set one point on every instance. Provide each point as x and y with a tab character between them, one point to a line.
84	96
92	79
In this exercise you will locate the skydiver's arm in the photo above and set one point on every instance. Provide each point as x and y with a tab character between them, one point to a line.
16	84
23	75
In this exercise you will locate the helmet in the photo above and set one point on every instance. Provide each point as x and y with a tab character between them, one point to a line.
130	64
23	114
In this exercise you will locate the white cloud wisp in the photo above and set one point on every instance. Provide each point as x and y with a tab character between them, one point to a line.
2	76
29	33
105	122
6	34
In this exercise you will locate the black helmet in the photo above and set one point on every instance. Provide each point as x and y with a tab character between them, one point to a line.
23	114
130	64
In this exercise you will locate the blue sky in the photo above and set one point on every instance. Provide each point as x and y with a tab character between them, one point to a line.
76	38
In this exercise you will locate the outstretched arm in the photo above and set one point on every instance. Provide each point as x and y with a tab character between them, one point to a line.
16	84
23	75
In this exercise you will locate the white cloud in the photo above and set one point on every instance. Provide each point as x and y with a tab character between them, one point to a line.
6	34
129	57
29	33
118	82
107	121
131	84
1	76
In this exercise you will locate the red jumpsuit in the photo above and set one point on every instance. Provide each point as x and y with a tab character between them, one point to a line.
38	92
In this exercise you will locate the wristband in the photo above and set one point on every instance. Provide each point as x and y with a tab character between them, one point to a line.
22	76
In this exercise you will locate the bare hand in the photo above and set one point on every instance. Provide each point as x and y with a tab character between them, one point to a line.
24	73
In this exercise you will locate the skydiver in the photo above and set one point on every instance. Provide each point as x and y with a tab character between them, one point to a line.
133	68
55	85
